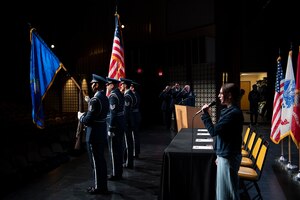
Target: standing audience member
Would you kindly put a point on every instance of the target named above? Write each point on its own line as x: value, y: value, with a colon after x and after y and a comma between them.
x: 254, y: 99
x: 175, y: 100
x: 116, y: 124
x: 228, y: 132
x: 96, y: 135
x: 242, y: 92
x: 137, y: 120
x: 129, y: 122
x: 187, y: 96
x: 166, y: 97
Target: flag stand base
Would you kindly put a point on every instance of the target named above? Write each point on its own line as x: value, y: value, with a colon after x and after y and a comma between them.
x: 282, y: 159
x: 298, y: 176
x: 291, y: 167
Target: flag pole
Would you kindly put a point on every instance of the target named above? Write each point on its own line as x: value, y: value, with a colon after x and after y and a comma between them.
x: 80, y: 127
x: 298, y: 175
x: 295, y: 128
x: 289, y: 165
x: 290, y: 159
x: 287, y: 110
x: 282, y: 158
x: 77, y: 85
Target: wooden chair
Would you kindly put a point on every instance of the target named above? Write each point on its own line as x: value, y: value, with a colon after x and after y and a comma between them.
x: 253, y: 174
x: 250, y: 161
x: 247, y: 151
x: 246, y: 137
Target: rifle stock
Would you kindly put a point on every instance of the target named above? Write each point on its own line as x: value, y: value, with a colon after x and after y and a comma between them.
x: 79, y: 133
x: 80, y: 127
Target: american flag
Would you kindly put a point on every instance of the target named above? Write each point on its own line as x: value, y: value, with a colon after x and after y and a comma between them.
x: 276, y: 117
x: 296, y: 109
x: 117, y: 64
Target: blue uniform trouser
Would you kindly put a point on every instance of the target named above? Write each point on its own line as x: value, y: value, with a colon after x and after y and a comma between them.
x: 227, y: 178
x: 136, y: 134
x: 129, y: 148
x: 116, y: 152
x: 98, y: 162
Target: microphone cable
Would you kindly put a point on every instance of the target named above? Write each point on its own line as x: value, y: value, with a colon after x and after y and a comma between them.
x: 192, y: 149
x: 192, y: 155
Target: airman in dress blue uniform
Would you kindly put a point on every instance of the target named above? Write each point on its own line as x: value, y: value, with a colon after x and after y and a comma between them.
x: 129, y: 121
x: 96, y: 135
x: 116, y: 123
x: 137, y: 121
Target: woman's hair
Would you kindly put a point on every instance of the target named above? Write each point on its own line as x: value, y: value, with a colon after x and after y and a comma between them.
x: 234, y: 90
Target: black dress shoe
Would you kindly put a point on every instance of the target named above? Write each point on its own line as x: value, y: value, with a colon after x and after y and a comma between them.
x: 92, y: 190
x: 129, y: 166
x: 89, y: 189
x: 115, y: 178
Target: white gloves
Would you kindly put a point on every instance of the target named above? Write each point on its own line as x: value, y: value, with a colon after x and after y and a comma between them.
x: 110, y: 134
x: 79, y: 114
x: 87, y: 98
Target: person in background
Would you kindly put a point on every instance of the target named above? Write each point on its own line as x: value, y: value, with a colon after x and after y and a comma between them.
x: 116, y: 125
x: 228, y: 132
x: 129, y: 122
x: 187, y: 96
x: 137, y: 121
x: 242, y: 92
x: 96, y: 135
x: 175, y: 90
x: 254, y: 98
x: 166, y: 97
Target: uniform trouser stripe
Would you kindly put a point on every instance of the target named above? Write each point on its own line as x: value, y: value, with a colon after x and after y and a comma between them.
x: 126, y: 149
x: 112, y: 156
x: 133, y: 143
x: 94, y: 167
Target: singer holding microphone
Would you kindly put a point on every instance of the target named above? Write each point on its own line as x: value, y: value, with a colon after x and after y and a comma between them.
x: 228, y: 139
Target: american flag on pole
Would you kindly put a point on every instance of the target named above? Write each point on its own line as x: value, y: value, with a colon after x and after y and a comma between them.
x: 287, y: 99
x: 117, y: 64
x: 276, y: 117
x: 295, y: 130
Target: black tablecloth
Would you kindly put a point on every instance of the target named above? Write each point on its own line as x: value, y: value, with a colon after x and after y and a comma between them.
x: 188, y: 173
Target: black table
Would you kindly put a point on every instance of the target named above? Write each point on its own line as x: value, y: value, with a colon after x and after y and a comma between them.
x: 188, y: 173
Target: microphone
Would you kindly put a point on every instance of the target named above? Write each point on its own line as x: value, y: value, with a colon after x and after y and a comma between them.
x: 209, y: 105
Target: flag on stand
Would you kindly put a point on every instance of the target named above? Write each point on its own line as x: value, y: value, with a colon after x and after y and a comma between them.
x: 276, y: 117
x: 44, y: 66
x: 117, y: 63
x: 295, y: 130
x: 287, y: 98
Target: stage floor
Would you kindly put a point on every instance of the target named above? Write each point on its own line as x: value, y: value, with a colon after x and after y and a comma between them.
x: 70, y: 180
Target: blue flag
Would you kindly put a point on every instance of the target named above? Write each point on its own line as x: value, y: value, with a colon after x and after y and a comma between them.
x: 44, y: 66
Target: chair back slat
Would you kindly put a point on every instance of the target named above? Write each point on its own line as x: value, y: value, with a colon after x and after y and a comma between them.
x: 261, y: 157
x: 246, y: 136
x: 251, y: 141
x: 256, y: 148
